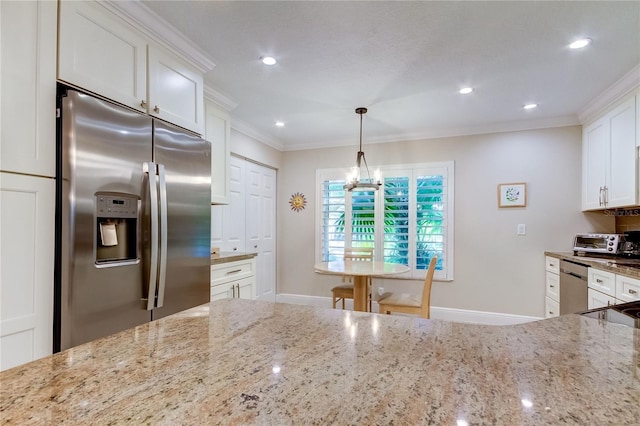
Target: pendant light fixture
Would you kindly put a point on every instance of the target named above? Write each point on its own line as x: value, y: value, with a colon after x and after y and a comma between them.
x: 353, y: 178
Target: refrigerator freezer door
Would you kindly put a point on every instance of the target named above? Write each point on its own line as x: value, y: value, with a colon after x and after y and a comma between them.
x: 103, y: 147
x: 187, y: 168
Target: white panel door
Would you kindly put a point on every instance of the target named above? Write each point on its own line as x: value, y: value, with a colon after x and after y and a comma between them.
x: 27, y: 87
x: 176, y: 91
x: 100, y: 53
x: 260, y: 219
x: 27, y: 207
x: 234, y: 213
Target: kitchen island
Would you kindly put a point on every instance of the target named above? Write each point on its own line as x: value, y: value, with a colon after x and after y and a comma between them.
x: 247, y: 362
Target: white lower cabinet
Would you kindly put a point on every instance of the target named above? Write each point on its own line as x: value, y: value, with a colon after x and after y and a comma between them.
x: 598, y: 299
x: 552, y: 293
x: 552, y: 308
x: 27, y: 205
x: 627, y: 289
x: 234, y: 280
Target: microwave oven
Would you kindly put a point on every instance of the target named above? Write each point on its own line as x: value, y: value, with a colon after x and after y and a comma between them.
x: 599, y: 243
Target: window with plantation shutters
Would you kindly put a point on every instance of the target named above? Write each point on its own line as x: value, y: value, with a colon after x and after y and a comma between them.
x: 408, y: 221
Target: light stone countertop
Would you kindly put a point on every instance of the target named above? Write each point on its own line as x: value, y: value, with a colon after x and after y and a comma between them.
x: 622, y: 266
x: 231, y: 256
x: 247, y: 362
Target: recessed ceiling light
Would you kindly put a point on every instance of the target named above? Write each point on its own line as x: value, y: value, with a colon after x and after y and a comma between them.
x: 279, y: 123
x: 580, y: 43
x: 530, y: 106
x: 268, y: 60
x: 466, y: 90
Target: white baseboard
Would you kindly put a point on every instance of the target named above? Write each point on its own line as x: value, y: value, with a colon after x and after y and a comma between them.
x: 448, y: 314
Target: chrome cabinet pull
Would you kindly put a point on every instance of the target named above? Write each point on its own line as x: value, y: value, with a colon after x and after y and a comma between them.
x: 143, y: 104
x: 599, y: 281
x: 156, y: 109
x: 632, y: 291
x: 234, y: 271
x: 600, y: 197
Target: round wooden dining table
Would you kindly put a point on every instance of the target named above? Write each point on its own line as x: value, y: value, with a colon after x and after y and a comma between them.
x: 360, y: 270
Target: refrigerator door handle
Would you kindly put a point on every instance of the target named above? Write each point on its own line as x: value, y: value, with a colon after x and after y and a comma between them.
x: 150, y: 169
x: 163, y: 235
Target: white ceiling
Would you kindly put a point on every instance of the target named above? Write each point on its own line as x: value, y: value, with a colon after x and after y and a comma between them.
x: 406, y: 61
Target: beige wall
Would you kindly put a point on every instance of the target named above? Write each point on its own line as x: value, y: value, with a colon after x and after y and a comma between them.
x: 495, y: 270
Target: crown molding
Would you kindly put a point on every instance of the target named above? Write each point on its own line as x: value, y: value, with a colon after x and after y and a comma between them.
x: 246, y: 129
x: 546, y: 123
x: 628, y: 83
x: 219, y: 98
x: 160, y: 31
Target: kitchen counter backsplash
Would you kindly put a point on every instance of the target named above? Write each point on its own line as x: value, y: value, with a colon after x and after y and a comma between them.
x: 617, y: 265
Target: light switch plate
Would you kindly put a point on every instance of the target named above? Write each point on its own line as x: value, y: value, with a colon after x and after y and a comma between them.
x: 522, y: 229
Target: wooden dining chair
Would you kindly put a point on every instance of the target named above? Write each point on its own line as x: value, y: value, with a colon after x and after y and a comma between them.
x: 407, y: 304
x: 343, y: 292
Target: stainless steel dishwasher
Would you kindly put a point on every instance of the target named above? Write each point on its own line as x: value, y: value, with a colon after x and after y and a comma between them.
x: 573, y: 287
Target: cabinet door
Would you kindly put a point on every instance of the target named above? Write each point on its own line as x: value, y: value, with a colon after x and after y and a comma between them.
x: 552, y: 308
x: 28, y: 87
x: 553, y: 286
x: 602, y: 281
x: 246, y: 288
x: 623, y: 181
x: 175, y: 91
x: 627, y: 289
x: 222, y: 291
x: 599, y: 300
x: 27, y: 206
x: 100, y: 53
x: 217, y: 132
x: 595, y: 156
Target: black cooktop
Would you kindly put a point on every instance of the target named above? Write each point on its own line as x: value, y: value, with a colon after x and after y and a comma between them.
x: 623, y: 313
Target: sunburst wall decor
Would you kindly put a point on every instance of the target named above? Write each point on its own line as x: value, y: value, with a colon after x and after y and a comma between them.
x: 298, y: 202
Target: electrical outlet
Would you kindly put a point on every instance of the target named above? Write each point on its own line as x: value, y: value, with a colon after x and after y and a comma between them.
x: 380, y: 291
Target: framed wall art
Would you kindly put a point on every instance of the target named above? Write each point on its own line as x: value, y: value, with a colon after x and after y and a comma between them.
x: 512, y: 194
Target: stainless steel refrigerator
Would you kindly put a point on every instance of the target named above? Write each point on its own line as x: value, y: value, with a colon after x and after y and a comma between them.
x: 133, y: 219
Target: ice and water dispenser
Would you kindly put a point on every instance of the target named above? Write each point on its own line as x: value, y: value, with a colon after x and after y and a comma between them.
x: 117, y: 233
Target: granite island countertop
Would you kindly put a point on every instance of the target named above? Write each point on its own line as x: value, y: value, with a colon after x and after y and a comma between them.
x: 237, y: 361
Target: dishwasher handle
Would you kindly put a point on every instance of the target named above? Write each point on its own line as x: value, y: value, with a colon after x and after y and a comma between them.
x: 573, y: 274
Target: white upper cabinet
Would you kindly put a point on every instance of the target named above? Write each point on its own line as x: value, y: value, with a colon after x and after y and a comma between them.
x: 217, y: 132
x: 28, y: 87
x: 609, y: 159
x: 101, y: 53
x: 175, y: 91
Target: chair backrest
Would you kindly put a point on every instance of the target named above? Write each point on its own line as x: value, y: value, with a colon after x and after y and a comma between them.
x: 358, y: 253
x: 426, y: 290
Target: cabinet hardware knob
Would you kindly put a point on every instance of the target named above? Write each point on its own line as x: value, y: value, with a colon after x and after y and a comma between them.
x: 632, y: 291
x: 551, y: 286
x: 143, y: 104
x: 599, y: 281
x: 156, y: 109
